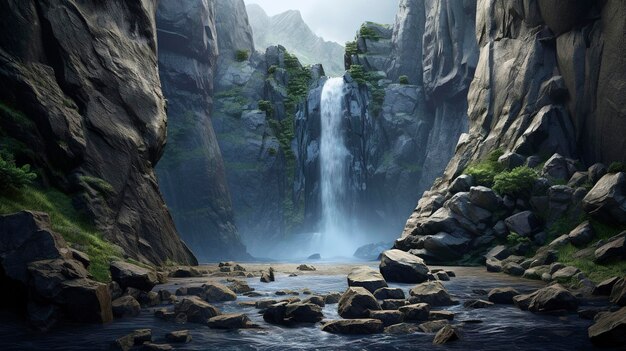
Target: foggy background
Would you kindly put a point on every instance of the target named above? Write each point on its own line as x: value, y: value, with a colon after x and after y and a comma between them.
x: 334, y: 20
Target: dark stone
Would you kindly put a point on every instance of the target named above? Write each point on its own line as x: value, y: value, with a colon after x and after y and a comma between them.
x: 353, y: 326
x: 607, y: 199
x: 432, y: 293
x: 614, y: 249
x: 130, y: 275
x: 388, y: 317
x: 609, y: 329
x: 356, y: 302
x: 229, y: 321
x: 477, y: 303
x: 548, y: 299
x: 445, y: 335
x: 416, y: 312
x: 389, y: 293
x: 196, y: 310
x: 502, y: 295
x: 125, y: 306
x: 604, y: 288
x: 180, y: 336
x: 367, y: 278
x: 618, y: 293
x: 402, y: 267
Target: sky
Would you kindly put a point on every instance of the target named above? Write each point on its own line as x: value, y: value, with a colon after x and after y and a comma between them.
x: 334, y: 20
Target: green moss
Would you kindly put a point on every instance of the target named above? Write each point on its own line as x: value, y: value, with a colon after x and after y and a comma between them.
x: 595, y: 272
x: 75, y: 228
x: 241, y: 55
x: 617, y: 167
x: 517, y: 182
x: 404, y: 80
x: 100, y: 185
x: 357, y: 72
x: 485, y: 171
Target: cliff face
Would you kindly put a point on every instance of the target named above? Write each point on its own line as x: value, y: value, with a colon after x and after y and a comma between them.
x: 85, y: 75
x: 289, y: 30
x: 192, y: 172
x: 556, y: 73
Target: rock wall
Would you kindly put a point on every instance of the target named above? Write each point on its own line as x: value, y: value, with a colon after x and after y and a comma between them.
x: 555, y: 72
x: 192, y: 173
x: 84, y: 75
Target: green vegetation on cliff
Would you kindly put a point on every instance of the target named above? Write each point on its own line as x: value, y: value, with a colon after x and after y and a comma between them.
x: 485, y: 171
x: 370, y: 79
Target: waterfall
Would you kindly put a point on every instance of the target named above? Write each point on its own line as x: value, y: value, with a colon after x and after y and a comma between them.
x: 335, y: 229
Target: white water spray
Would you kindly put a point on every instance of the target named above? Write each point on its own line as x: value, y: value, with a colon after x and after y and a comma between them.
x: 335, y: 231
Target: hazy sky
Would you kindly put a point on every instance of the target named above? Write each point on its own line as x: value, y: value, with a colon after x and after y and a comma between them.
x: 336, y: 20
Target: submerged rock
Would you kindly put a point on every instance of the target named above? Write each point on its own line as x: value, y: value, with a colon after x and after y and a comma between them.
x: 353, y: 326
x: 402, y: 267
x: 367, y: 278
x: 229, y: 321
x: 502, y: 295
x: 445, y: 335
x: 180, y: 336
x: 125, y: 306
x: 196, y: 309
x: 387, y: 317
x: 306, y: 267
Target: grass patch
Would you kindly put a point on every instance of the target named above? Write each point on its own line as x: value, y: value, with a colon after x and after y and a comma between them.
x: 617, y: 167
x: 75, y: 229
x: 595, y: 272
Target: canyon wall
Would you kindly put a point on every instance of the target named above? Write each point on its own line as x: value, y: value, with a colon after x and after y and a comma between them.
x: 84, y: 77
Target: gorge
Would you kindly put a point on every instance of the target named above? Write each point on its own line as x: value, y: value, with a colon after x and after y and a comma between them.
x: 463, y: 166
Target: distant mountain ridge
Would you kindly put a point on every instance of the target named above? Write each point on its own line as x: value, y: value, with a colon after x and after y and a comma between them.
x: 289, y: 30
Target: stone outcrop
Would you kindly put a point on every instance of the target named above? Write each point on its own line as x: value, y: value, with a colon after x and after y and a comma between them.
x: 40, y: 277
x: 94, y: 113
x: 188, y: 56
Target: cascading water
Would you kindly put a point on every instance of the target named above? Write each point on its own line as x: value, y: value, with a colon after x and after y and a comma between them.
x: 334, y: 238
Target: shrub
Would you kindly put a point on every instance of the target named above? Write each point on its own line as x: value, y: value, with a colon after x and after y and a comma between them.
x: 272, y: 152
x: 272, y: 69
x: 266, y: 106
x: 514, y: 239
x: 13, y: 177
x: 484, y: 172
x: 404, y: 80
x: 352, y: 48
x: 616, y: 167
x: 241, y: 55
x: 368, y: 33
x: 357, y: 73
x: 516, y: 182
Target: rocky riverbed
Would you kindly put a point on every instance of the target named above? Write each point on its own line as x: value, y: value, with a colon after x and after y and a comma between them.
x: 475, y: 321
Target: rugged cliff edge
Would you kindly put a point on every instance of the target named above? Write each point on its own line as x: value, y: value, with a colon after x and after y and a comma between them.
x: 83, y: 75
x: 192, y: 171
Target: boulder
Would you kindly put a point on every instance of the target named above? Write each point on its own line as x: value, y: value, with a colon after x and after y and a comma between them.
x: 578, y: 179
x: 185, y: 272
x: 356, y: 303
x: 550, y: 298
x: 149, y: 299
x: 81, y: 257
x: 605, y: 287
x: 142, y: 336
x: 477, y: 303
x: 332, y: 298
x: 443, y: 246
x: 129, y: 275
x: 367, y: 278
x: 371, y: 251
x: 314, y: 257
x: 402, y: 267
x: 432, y: 293
x: 462, y: 183
x: 499, y: 252
x: 388, y: 317
x: 565, y: 274
x: 607, y: 199
x: 415, y: 312
x: 316, y: 300
x: 445, y: 335
x: 124, y: 343
x: 179, y: 336
x: 353, y: 326
x: 511, y: 160
x: 614, y: 249
x: 304, y: 312
x: 485, y: 198
x: 494, y: 265
x: 402, y: 328
x: 240, y: 287
x: 437, y: 315
x: 125, y: 306
x: 215, y: 292
x: 596, y: 172
x: 513, y: 268
x: 229, y: 321
x: 84, y: 300
x: 582, y: 235
x: 306, y: 267
x: 524, y: 223
x: 393, y: 304
x: 609, y: 329
x: 618, y: 293
x: 196, y: 309
x: 556, y: 168
x: 389, y: 293
x: 432, y: 327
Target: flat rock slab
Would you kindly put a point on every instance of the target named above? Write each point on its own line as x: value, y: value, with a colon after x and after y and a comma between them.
x: 367, y: 278
x: 354, y: 326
